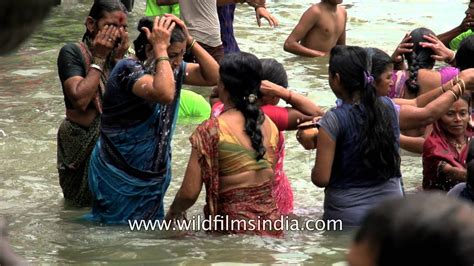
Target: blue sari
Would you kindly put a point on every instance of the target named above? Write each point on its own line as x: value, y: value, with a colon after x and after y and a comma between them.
x: 130, y: 166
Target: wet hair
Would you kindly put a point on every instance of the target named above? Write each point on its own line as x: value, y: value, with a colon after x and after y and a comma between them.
x: 241, y: 75
x: 380, y: 62
x: 420, y: 229
x: 100, y: 8
x: 419, y: 58
x: 377, y: 138
x: 177, y: 35
x: 274, y: 71
x: 465, y: 54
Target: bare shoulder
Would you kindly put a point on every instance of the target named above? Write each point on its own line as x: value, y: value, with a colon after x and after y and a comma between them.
x: 341, y: 10
x: 313, y: 10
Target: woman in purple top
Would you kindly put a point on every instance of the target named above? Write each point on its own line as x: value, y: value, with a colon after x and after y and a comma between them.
x: 420, y: 76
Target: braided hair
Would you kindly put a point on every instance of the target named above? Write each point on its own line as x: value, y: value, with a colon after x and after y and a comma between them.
x: 241, y: 75
x: 419, y: 58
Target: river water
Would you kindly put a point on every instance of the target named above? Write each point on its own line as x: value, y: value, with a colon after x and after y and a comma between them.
x: 43, y: 230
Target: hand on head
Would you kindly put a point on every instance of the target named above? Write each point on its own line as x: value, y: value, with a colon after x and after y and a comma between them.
x: 268, y: 88
x: 405, y: 46
x: 160, y: 35
x: 442, y: 53
x: 179, y: 22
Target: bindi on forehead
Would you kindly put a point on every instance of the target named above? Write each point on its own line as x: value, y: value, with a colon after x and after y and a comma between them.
x: 121, y: 18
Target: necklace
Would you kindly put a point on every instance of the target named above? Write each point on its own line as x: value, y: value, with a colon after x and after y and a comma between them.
x: 456, y: 145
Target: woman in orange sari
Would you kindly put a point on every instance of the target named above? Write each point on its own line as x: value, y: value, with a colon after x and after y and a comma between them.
x: 234, y: 156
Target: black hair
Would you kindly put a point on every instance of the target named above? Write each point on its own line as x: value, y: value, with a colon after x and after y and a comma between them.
x: 100, y: 7
x: 380, y: 62
x: 377, y: 143
x: 241, y: 75
x: 274, y: 71
x: 420, y: 229
x: 419, y: 58
x: 177, y: 35
x: 465, y: 54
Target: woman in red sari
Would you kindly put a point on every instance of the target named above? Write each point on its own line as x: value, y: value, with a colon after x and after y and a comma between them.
x: 234, y: 156
x: 445, y: 150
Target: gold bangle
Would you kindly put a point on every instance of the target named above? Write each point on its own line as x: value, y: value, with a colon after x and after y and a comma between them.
x: 454, y: 95
x: 463, y: 87
x: 456, y: 79
x: 161, y: 58
x: 192, y: 45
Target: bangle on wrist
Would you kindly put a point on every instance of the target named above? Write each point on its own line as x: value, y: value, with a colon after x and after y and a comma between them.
x: 454, y: 95
x: 95, y: 66
x: 191, y: 46
x: 450, y: 61
x: 462, y: 86
x: 161, y: 58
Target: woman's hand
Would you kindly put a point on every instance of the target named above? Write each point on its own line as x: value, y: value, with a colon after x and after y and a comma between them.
x: 160, y: 35
x: 307, y: 134
x: 179, y: 22
x: 104, y: 41
x: 262, y: 12
x: 442, y: 53
x: 268, y: 88
x: 171, y: 216
x: 122, y: 45
x: 404, y: 47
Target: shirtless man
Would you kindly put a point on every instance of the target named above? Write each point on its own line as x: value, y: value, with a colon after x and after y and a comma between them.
x: 321, y: 27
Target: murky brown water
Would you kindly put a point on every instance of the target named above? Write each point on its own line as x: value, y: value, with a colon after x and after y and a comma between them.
x: 31, y: 108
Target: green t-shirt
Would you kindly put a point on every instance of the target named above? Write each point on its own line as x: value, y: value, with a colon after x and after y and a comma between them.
x: 193, y: 106
x: 153, y: 10
x: 454, y: 44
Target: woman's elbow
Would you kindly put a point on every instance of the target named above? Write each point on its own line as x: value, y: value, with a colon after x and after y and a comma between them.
x: 287, y: 47
x: 427, y: 120
x: 80, y: 104
x: 317, y: 180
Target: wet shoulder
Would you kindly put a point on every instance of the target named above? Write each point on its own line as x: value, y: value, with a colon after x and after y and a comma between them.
x: 314, y: 10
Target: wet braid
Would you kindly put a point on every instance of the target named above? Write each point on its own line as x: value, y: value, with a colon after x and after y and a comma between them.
x: 412, y: 81
x: 420, y: 58
x: 241, y: 75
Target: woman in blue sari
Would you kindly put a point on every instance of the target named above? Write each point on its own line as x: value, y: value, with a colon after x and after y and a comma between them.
x: 130, y: 167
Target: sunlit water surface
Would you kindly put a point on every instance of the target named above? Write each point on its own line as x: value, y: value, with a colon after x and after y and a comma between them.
x: 42, y: 230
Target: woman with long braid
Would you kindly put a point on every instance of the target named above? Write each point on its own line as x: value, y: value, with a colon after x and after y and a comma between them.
x: 234, y: 154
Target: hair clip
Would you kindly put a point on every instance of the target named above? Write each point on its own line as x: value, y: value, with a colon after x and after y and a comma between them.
x: 252, y: 98
x: 369, y: 79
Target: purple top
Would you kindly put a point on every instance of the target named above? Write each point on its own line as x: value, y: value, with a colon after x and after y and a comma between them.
x: 399, y: 77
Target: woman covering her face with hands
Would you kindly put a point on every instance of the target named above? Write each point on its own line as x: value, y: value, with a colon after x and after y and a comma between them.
x: 83, y: 70
x: 130, y: 167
